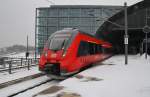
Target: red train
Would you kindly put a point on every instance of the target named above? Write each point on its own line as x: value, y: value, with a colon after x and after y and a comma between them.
x: 68, y: 51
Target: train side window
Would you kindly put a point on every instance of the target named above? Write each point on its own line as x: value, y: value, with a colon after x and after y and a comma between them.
x: 88, y: 48
x: 83, y: 49
x: 91, y: 48
x: 96, y: 49
x: 99, y: 49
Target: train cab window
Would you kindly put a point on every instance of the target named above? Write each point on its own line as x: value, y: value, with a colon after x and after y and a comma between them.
x: 83, y: 49
x: 58, y: 41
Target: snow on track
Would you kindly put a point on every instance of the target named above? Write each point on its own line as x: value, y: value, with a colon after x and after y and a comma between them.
x: 5, y: 92
x: 36, y: 90
x: 20, y: 74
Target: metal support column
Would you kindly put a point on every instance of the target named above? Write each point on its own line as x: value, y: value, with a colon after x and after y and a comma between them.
x: 126, y: 34
x: 35, y: 35
x: 146, y: 30
x: 146, y: 46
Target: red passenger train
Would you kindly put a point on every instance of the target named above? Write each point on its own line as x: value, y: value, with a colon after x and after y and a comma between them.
x: 69, y: 50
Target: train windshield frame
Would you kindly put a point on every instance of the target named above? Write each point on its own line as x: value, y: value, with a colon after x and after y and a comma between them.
x: 60, y: 41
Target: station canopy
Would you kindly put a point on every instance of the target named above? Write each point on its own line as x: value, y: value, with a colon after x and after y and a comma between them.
x: 112, y: 29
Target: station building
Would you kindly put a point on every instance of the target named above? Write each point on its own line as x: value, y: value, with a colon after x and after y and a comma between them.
x: 56, y: 17
x: 113, y: 30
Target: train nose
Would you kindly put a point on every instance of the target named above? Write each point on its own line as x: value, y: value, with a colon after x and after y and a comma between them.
x: 54, y: 55
x: 57, y: 55
x: 52, y: 69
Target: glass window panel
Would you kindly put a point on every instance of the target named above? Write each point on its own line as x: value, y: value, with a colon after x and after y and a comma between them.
x: 85, y: 12
x: 53, y: 12
x: 106, y: 13
x: 52, y: 21
x: 42, y: 30
x: 98, y: 12
x: 63, y: 21
x: 74, y: 21
x: 43, y: 12
x: 74, y: 13
x: 86, y: 21
x: 63, y: 12
x: 42, y: 21
x: 51, y: 30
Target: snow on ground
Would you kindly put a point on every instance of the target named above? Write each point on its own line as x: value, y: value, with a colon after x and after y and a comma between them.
x: 20, y: 55
x: 32, y: 92
x: 112, y: 78
x: 5, y: 92
x: 4, y: 77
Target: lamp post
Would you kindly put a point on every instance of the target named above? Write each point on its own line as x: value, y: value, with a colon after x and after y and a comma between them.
x: 146, y: 30
x: 126, y: 33
x: 27, y: 49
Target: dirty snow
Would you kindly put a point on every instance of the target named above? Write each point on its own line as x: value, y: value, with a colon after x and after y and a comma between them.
x: 112, y: 78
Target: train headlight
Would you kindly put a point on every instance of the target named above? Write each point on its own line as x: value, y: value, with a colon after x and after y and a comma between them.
x: 64, y: 54
x: 45, y: 54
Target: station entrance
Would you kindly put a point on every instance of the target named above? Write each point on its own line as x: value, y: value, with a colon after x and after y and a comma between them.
x: 136, y: 41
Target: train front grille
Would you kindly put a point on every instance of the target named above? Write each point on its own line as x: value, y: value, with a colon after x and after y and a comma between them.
x: 52, y: 69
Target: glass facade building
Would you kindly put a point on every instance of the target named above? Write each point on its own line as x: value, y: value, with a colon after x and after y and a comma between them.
x: 87, y: 18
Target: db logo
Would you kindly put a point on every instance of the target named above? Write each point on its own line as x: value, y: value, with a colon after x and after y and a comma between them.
x: 53, y: 56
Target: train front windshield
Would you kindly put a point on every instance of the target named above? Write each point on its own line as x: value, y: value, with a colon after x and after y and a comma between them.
x: 58, y: 42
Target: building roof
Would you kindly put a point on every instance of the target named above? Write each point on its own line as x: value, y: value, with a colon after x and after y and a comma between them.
x: 136, y: 21
x: 82, y: 6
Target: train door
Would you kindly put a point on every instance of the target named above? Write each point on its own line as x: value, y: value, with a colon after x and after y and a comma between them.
x: 83, y: 53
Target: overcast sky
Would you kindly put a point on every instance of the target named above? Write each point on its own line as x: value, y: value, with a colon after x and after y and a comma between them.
x: 17, y: 17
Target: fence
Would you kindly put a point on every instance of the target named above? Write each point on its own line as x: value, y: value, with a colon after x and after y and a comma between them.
x: 9, y: 64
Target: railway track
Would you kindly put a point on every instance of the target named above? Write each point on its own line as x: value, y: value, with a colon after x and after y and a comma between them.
x: 18, y: 86
x: 15, y: 81
x: 29, y: 88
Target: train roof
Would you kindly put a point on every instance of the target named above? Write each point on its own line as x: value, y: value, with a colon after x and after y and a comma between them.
x: 74, y: 31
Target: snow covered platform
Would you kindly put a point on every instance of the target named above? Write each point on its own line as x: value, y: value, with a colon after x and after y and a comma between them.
x: 112, y: 78
x: 5, y: 77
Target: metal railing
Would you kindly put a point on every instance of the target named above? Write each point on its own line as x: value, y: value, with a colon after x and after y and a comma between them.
x: 9, y: 64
